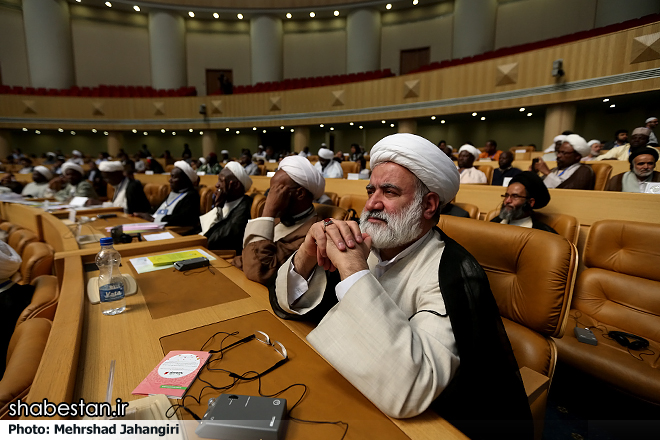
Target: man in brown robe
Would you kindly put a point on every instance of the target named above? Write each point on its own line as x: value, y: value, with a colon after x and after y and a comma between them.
x: 642, y: 164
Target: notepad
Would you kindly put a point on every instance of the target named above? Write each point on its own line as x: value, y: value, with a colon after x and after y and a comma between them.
x: 167, y: 259
x: 144, y: 264
x: 174, y: 374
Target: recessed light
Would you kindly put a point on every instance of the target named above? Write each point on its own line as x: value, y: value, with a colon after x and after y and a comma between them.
x: 37, y: 131
x: 201, y: 133
x: 612, y: 105
x: 384, y: 121
x: 60, y: 130
x: 93, y: 130
x: 350, y: 123
x: 105, y: 133
x: 240, y: 16
x: 433, y: 118
x: 227, y: 129
x: 282, y: 127
x: 264, y: 131
x: 474, y: 114
x: 134, y: 131
x: 522, y: 109
x: 292, y: 130
x: 108, y: 4
x: 216, y: 15
x: 191, y: 14
x: 442, y: 122
x: 415, y: 2
x: 288, y: 15
x: 311, y: 14
x: 78, y: 1
x: 606, y: 100
x: 238, y: 131
x: 190, y: 130
x: 529, y: 114
x: 332, y: 128
x: 321, y: 125
x: 25, y: 129
x: 137, y: 8
x: 254, y: 128
x: 360, y: 127
x: 336, y: 13
x: 174, y: 133
x: 73, y: 132
x: 145, y: 133
x: 162, y: 130
x: 388, y: 6
x: 483, y: 118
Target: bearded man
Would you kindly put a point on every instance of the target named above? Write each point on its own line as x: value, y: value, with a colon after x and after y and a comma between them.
x: 412, y: 317
x: 642, y: 171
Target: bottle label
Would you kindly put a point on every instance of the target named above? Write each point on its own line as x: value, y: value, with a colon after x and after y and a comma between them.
x: 111, y: 294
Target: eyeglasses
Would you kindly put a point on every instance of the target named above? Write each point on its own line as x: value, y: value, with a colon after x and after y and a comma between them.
x: 277, y: 345
x: 514, y: 197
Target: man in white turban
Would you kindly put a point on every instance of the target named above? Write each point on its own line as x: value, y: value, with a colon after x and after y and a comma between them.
x: 39, y: 186
x: 224, y: 224
x: 569, y: 173
x: 75, y: 184
x: 129, y: 193
x: 330, y: 169
x: 639, y: 139
x: 14, y: 298
x: 287, y: 216
x: 399, y: 325
x: 550, y: 154
x: 467, y: 154
x: 651, y: 123
x: 76, y: 158
x: 594, y: 150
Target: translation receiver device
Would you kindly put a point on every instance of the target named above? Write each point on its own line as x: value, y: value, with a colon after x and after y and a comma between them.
x: 192, y: 263
x: 236, y: 417
x: 585, y: 335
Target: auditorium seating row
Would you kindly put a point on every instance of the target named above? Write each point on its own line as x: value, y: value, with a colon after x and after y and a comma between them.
x: 37, y: 256
x: 513, y: 50
x: 103, y: 91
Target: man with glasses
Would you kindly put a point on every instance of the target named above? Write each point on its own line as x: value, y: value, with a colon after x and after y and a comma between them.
x: 408, y: 315
x: 569, y: 172
x: 525, y: 193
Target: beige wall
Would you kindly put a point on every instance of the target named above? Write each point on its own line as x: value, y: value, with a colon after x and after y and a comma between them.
x: 308, y: 54
x: 13, y: 55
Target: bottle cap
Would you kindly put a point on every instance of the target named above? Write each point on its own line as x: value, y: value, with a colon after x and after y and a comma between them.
x: 106, y: 241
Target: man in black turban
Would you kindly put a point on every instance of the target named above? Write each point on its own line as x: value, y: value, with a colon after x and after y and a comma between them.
x: 525, y: 192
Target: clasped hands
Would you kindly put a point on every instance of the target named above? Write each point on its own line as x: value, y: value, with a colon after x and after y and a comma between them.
x: 338, y: 245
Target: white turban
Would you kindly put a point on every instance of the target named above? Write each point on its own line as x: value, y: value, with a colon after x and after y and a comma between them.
x: 450, y: 148
x: 43, y: 171
x: 652, y: 118
x: 579, y: 144
x: 238, y: 171
x: 324, y: 153
x: 422, y: 158
x: 202, y: 160
x: 304, y: 174
x: 76, y: 153
x: 73, y: 166
x: 111, y: 166
x: 224, y: 152
x: 470, y: 149
x: 593, y: 142
x: 187, y: 169
x: 10, y: 261
x: 559, y: 138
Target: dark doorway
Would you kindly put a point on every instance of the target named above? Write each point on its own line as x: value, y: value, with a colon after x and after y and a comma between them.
x: 213, y: 79
x: 413, y: 59
x: 280, y: 140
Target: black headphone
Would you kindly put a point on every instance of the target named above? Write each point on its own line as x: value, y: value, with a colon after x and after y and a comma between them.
x: 630, y: 341
x: 118, y: 235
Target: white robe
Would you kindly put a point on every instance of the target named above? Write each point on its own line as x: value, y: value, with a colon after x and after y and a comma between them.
x: 332, y: 171
x: 473, y: 175
x: 382, y: 336
x: 34, y: 189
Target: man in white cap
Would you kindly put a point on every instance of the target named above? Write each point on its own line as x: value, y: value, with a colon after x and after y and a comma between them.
x: 224, y: 156
x: 224, y: 224
x: 467, y: 154
x: 129, y: 193
x: 287, y: 216
x: 14, y: 298
x: 181, y: 207
x: 401, y: 327
x: 76, y: 158
x: 651, y: 123
x: 569, y: 173
x: 638, y: 139
x: 330, y: 169
x: 73, y: 176
x: 550, y: 154
x: 39, y: 185
x: 595, y: 147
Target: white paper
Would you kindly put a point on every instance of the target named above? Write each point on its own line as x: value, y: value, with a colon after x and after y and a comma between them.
x: 270, y: 173
x: 272, y: 161
x: 521, y: 151
x: 353, y: 176
x: 201, y: 173
x: 652, y: 188
x: 156, y: 237
x: 143, y: 264
x: 149, y: 172
x: 78, y: 201
x: 506, y: 181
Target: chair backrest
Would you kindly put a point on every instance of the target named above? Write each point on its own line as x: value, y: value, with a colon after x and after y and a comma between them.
x: 353, y: 201
x: 26, y: 348
x: 262, y: 170
x: 258, y: 203
x: 169, y: 168
x: 329, y: 211
x: 44, y: 299
x: 528, y: 149
x: 488, y: 171
x: 313, y: 159
x: 37, y: 261
x: 21, y: 238
x: 471, y: 209
x: 9, y: 227
x: 350, y: 167
x: 566, y: 225
x: 621, y: 285
x: 156, y: 193
x: 602, y: 173
x: 205, y: 199
x: 334, y: 197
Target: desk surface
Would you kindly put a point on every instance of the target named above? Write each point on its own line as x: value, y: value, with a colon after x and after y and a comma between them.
x: 132, y: 339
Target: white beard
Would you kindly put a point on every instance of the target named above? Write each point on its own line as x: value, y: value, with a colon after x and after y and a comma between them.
x: 401, y: 228
x: 642, y: 175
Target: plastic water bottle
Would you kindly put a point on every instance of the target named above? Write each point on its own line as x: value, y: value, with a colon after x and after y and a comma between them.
x: 111, y: 283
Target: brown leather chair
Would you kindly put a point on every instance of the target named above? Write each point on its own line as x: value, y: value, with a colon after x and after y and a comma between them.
x: 26, y: 348
x: 258, y: 203
x: 334, y: 197
x: 471, y: 209
x: 329, y: 211
x: 44, y: 300
x: 353, y: 201
x: 618, y: 291
x: 169, y: 168
x: 262, y: 170
x: 37, y: 261
x: 205, y: 199
x: 350, y: 167
x: 566, y: 225
x: 602, y: 172
x: 156, y: 193
x: 9, y: 227
x: 488, y: 171
x: 532, y: 293
x: 313, y: 159
x: 21, y: 238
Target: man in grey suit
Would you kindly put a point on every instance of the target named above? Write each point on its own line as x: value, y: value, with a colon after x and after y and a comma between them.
x: 407, y: 314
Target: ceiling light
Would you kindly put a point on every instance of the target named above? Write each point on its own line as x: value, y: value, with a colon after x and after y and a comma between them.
x: 336, y: 13
x: 254, y: 128
x: 134, y: 131
x: 282, y: 127
x: 201, y: 133
x: 37, y: 131
x: 360, y: 127
x: 474, y: 114
x: 321, y: 125
x: 288, y: 15
x: 483, y: 118
x: 191, y: 14
x: 433, y: 118
x: 612, y: 105
x: 227, y: 129
x: 190, y: 130
x: 78, y: 1
x: 311, y: 14
x: 522, y: 109
x: 388, y: 6
x: 383, y: 121
x: 350, y: 123
x: 93, y: 130
x: 292, y: 130
x: 332, y: 128
x: 606, y: 100
x: 264, y: 131
x: 442, y: 122
x: 415, y: 2
x: 137, y: 8
x: 108, y: 4
x: 145, y: 133
x: 73, y: 132
x: 25, y: 129
x: 105, y: 133
x: 216, y: 15
x: 240, y: 16
x: 162, y: 130
x: 60, y: 130
x: 238, y: 132
x: 529, y: 114
x: 174, y: 133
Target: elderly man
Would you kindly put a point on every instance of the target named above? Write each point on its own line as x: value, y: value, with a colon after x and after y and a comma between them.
x: 129, y: 193
x: 401, y: 328
x: 76, y: 184
x: 491, y: 152
x: 639, y: 138
x: 525, y: 193
x: 76, y: 158
x: 642, y: 165
x: 269, y: 242
x: 224, y: 225
x: 506, y: 170
x: 329, y: 168
x: 569, y: 172
x: 595, y: 146
x: 651, y: 123
x: 467, y: 154
x: 38, y: 188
